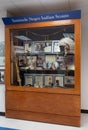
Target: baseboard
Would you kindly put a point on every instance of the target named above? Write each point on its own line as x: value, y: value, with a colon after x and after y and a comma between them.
x: 2, y: 113
x: 82, y: 111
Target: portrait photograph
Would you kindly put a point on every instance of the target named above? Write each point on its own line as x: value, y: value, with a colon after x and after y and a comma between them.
x: 58, y: 81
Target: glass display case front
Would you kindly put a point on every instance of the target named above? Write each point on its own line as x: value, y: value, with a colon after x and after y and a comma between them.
x: 43, y: 57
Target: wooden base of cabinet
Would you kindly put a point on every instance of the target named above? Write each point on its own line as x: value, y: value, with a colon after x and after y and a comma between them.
x: 44, y: 117
x: 45, y: 107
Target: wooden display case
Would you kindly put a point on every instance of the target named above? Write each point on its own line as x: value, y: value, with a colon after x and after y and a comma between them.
x: 43, y: 71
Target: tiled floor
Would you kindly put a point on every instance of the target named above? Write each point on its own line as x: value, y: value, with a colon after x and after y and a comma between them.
x: 30, y: 125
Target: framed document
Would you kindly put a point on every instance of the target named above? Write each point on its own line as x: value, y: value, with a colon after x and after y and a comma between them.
x: 28, y: 79
x: 50, y: 58
x: 38, y: 81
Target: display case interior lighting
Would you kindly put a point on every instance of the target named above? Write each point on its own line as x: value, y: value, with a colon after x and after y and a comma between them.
x: 23, y: 38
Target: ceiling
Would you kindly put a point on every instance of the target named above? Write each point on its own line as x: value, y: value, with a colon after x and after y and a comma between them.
x: 29, y: 7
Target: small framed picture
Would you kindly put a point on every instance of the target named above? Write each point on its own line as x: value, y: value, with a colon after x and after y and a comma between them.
x: 56, y: 47
x: 21, y: 60
x: 40, y: 60
x: 38, y: 47
x: 48, y: 47
x: 28, y: 80
x: 69, y: 80
x: 69, y: 61
x: 59, y: 81
x: 31, y: 62
x: 62, y: 66
x: 38, y: 81
x: 27, y: 48
x: 2, y: 76
x: 50, y: 58
x: 48, y: 81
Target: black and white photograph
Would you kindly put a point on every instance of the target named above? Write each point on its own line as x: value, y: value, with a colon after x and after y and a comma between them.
x: 63, y: 66
x: 59, y: 81
x: 69, y: 61
x: 38, y: 81
x: 48, y: 80
x: 31, y: 62
x: 38, y: 47
x: 27, y: 48
x: 56, y: 47
x: 39, y: 62
x: 48, y: 47
x: 69, y: 80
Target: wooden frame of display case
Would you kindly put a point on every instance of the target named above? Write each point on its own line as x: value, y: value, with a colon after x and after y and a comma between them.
x: 61, y: 106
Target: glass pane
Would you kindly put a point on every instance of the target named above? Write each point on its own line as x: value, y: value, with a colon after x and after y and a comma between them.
x: 43, y: 57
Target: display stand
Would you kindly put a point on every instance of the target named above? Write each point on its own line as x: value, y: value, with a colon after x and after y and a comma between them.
x: 43, y: 68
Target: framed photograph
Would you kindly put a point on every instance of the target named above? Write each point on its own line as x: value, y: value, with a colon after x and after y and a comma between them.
x: 18, y: 49
x: 21, y: 60
x: 50, y: 62
x: 69, y: 61
x: 59, y: 80
x: 59, y: 58
x: 48, y: 81
x: 40, y: 60
x: 27, y: 48
x: 38, y: 81
x: 48, y: 47
x: 28, y: 80
x: 50, y: 58
x: 2, y: 54
x: 56, y: 47
x: 62, y: 66
x: 38, y: 47
x: 2, y: 76
x: 31, y: 62
x: 69, y: 80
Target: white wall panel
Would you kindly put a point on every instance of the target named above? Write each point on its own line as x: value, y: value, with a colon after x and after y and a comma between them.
x: 2, y: 86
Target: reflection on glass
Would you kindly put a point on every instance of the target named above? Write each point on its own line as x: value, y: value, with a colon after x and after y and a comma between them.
x: 43, y: 57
